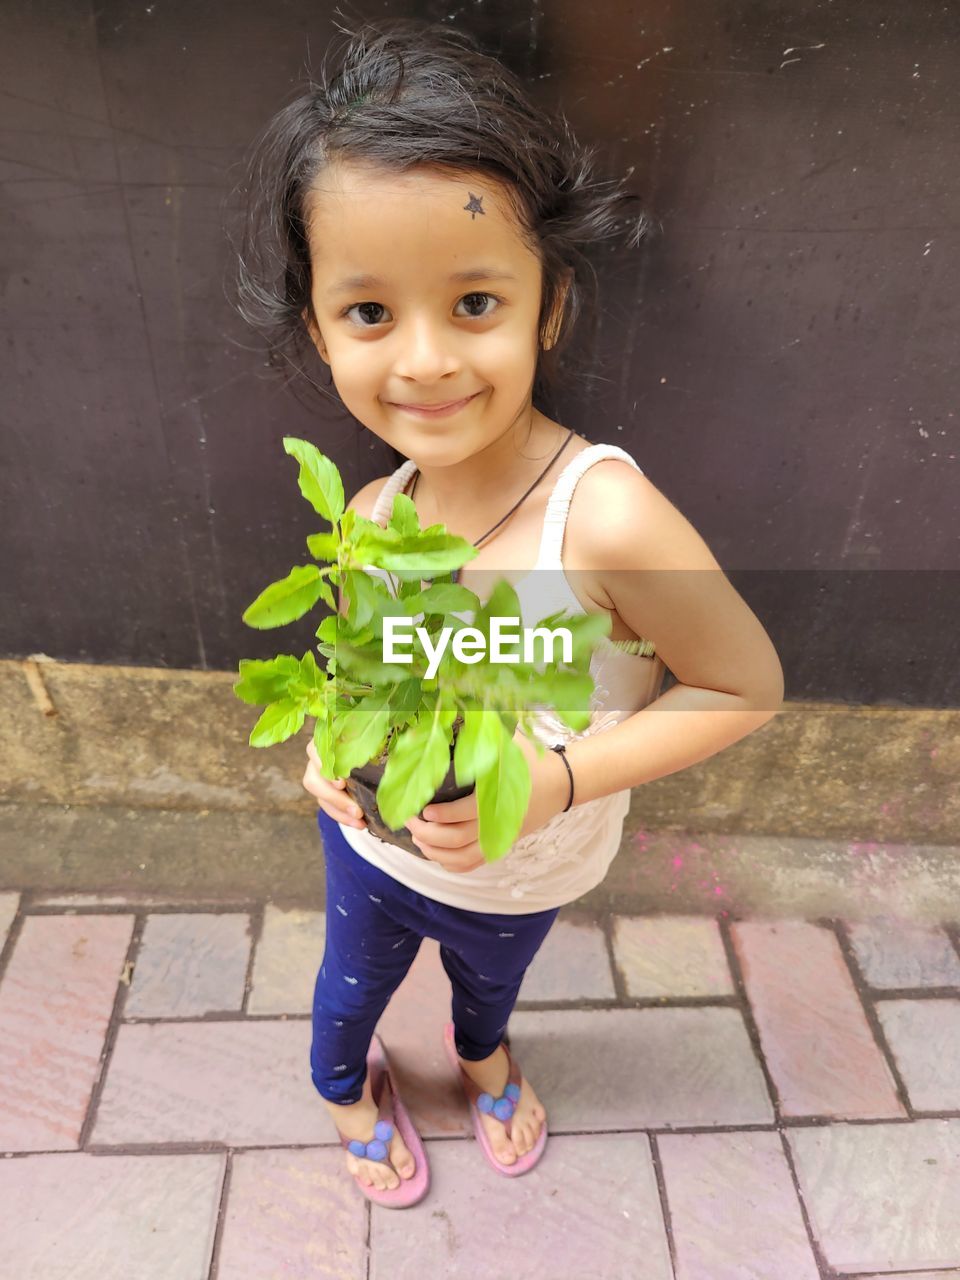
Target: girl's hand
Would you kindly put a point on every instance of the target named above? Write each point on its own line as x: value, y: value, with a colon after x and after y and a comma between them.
x: 447, y: 833
x: 331, y: 795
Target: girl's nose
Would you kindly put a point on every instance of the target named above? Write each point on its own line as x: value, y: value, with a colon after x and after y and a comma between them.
x: 426, y: 352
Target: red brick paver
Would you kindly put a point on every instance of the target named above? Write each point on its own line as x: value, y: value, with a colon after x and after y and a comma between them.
x: 733, y: 1207
x: 293, y: 1214
x: 815, y: 1036
x: 56, y: 999
x: 208, y: 1155
x: 78, y: 1217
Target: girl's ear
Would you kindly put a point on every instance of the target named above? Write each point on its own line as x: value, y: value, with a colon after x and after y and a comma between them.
x: 315, y: 335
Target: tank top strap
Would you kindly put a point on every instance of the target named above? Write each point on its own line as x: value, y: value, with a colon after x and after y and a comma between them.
x: 383, y: 507
x: 558, y: 506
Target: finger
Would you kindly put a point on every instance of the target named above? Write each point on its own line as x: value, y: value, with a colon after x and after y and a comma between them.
x: 452, y: 852
x: 314, y: 771
x: 314, y: 755
x: 349, y: 817
x: 467, y: 860
x: 331, y: 800
x: 443, y: 837
x: 452, y: 810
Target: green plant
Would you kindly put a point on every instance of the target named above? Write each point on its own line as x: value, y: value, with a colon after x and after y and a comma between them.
x: 367, y: 709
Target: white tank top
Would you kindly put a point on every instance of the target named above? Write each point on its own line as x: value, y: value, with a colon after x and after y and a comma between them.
x: 569, y: 855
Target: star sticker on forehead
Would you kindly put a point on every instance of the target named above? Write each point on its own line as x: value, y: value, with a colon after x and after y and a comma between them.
x: 474, y: 205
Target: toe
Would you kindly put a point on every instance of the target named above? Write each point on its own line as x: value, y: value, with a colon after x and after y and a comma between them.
x: 403, y: 1161
x: 505, y: 1151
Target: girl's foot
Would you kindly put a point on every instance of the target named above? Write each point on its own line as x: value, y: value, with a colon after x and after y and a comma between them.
x: 357, y: 1121
x: 491, y: 1075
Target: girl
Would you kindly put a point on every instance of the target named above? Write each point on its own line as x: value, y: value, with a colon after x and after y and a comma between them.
x: 431, y: 225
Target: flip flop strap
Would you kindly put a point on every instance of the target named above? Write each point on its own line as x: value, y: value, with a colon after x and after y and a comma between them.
x: 514, y: 1077
x: 384, y: 1084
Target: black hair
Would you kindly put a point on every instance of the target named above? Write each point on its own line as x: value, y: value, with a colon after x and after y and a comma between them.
x: 407, y: 93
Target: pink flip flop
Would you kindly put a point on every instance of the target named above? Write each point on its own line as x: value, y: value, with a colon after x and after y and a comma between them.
x: 502, y: 1108
x: 390, y: 1111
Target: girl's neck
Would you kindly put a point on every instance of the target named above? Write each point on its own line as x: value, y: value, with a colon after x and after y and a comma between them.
x: 472, y: 494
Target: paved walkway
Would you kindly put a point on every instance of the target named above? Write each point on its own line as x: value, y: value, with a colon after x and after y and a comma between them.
x: 750, y: 1100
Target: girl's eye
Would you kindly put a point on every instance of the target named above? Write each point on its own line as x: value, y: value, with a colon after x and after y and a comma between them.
x: 477, y: 315
x: 370, y: 317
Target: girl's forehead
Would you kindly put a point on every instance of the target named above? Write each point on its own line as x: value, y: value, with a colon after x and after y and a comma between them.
x: 358, y: 214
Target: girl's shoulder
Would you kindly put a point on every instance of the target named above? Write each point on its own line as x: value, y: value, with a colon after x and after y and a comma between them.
x: 365, y: 499
x: 618, y: 518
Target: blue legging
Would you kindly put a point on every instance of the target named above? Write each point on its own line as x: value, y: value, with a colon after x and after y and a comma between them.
x: 375, y: 926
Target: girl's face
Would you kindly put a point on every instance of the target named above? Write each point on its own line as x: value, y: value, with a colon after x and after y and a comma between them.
x: 424, y: 294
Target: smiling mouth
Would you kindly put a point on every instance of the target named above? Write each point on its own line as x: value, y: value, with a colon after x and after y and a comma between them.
x: 435, y: 410
x: 445, y: 404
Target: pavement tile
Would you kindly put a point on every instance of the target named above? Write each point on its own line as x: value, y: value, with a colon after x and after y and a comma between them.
x: 733, y: 1207
x: 641, y: 1068
x: 136, y: 900
x: 882, y: 1197
x: 924, y: 1036
x: 412, y: 1031
x: 288, y: 956
x: 896, y: 953
x: 79, y: 1217
x: 240, y: 1083
x: 572, y: 964
x: 671, y: 956
x: 589, y: 1209
x: 818, y: 1045
x: 190, y: 964
x: 295, y: 1214
x: 56, y: 998
x: 8, y: 909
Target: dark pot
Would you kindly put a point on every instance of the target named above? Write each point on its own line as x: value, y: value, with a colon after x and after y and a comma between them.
x: 362, y: 786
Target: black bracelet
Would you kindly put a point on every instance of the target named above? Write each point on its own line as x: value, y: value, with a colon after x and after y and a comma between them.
x: 561, y: 751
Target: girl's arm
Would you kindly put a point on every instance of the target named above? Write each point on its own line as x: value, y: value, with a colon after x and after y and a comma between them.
x: 663, y: 581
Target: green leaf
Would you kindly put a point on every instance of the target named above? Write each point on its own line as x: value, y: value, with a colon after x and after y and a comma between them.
x: 311, y: 677
x: 281, y: 720
x: 503, y: 794
x: 566, y: 692
x: 477, y: 747
x: 417, y: 764
x: 404, y: 517
x: 286, y: 600
x: 442, y: 597
x: 363, y: 732
x: 367, y: 595
x: 319, y: 478
x: 265, y: 681
x: 323, y: 546
x: 406, y: 701
x: 585, y: 630
x: 327, y: 630
x: 421, y: 555
x: 324, y: 732
x: 369, y: 666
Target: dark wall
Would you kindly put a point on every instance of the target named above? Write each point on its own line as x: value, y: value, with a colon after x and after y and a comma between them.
x: 778, y: 358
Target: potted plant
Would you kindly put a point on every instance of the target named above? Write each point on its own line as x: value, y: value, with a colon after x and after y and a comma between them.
x: 432, y: 727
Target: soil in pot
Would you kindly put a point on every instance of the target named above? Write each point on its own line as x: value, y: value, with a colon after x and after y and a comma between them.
x: 362, y: 786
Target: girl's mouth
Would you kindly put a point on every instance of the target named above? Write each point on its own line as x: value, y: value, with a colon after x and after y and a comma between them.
x: 436, y: 411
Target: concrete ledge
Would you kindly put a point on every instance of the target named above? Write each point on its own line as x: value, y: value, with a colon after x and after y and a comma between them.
x: 218, y: 855
x: 177, y: 740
